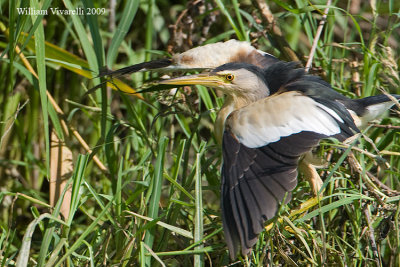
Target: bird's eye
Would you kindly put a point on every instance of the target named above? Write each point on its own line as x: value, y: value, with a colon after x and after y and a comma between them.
x: 229, y: 77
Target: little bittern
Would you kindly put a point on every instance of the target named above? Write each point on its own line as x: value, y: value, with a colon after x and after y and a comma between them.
x: 274, y: 113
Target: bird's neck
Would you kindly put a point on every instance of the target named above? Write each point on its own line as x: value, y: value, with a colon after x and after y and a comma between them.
x: 231, y: 104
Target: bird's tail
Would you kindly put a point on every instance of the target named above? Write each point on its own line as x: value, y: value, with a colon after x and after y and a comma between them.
x: 378, y: 99
x: 373, y: 107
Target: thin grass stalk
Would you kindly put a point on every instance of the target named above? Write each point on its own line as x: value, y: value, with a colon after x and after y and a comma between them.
x: 119, y: 237
x: 198, y: 224
x: 317, y: 36
x: 149, y: 28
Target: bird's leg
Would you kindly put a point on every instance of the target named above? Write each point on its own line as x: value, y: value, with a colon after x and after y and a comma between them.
x: 307, y: 167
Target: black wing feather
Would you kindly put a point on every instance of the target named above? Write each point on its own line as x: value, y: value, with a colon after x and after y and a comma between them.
x: 256, y: 180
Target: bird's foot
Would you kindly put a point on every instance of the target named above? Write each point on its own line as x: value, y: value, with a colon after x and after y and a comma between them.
x: 311, y: 174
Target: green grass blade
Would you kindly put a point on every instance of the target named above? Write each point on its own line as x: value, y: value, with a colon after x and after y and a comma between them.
x: 84, y: 234
x: 11, y: 44
x: 172, y: 228
x: 187, y: 252
x: 149, y: 28
x: 38, y: 19
x: 240, y: 21
x: 370, y: 83
x: 99, y: 51
x: 198, y: 221
x: 224, y: 11
x: 57, y: 250
x: 205, y: 96
x: 119, y: 243
x: 41, y: 71
x: 23, y: 255
x: 84, y: 40
x: 49, y: 234
x: 334, y: 205
x: 77, y: 179
x: 179, y: 187
x: 99, y: 202
x: 128, y: 15
x: 95, y: 33
x: 155, y: 188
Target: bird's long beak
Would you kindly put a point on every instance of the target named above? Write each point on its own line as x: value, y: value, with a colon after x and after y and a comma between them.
x: 197, y: 79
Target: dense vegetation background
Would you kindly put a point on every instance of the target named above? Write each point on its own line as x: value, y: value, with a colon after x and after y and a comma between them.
x: 143, y: 169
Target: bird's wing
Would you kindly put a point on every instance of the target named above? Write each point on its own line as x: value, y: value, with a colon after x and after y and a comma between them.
x: 254, y: 182
x: 262, y: 145
x: 279, y: 115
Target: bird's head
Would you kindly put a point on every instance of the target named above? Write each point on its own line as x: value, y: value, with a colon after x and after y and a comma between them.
x: 239, y: 80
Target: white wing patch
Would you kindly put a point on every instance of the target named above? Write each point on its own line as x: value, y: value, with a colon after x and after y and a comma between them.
x: 271, y: 118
